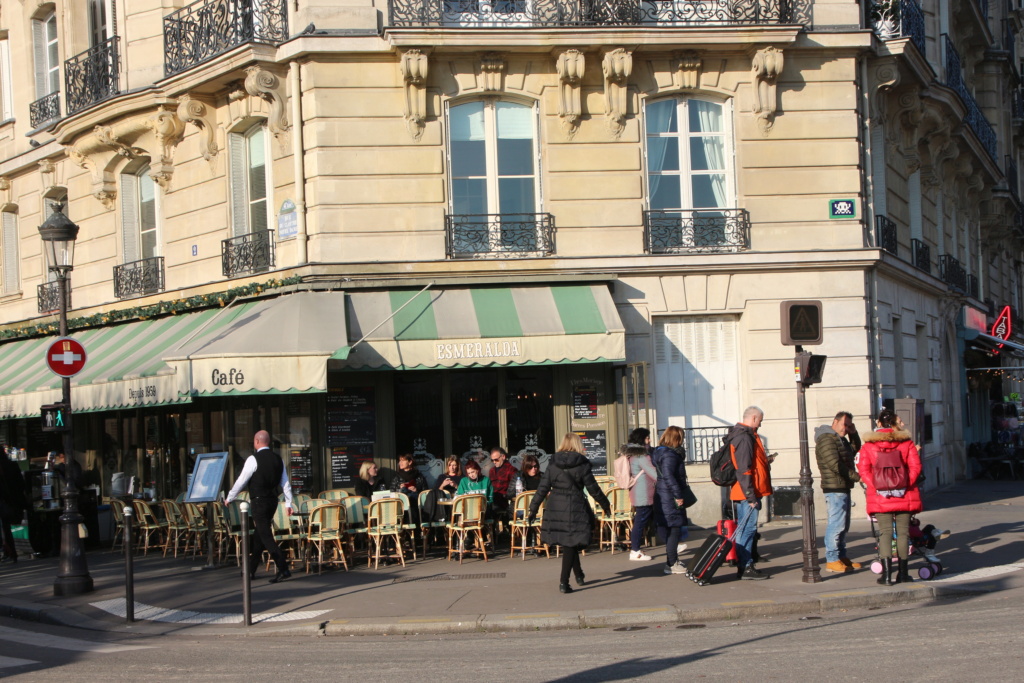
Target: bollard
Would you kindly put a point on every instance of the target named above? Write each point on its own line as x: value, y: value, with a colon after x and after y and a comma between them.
x: 246, y: 576
x: 129, y: 572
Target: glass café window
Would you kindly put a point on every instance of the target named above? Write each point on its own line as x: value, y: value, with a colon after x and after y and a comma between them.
x: 689, y: 160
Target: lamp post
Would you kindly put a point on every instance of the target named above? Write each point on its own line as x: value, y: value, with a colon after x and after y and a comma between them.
x: 58, y: 234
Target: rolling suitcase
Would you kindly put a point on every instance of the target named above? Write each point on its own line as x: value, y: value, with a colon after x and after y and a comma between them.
x: 727, y: 527
x: 710, y: 556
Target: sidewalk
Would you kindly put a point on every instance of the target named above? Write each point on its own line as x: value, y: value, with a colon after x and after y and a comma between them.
x: 984, y: 553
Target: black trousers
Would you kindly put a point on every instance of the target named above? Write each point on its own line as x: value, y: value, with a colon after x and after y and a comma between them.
x: 263, y: 510
x: 570, y: 562
x: 10, y: 549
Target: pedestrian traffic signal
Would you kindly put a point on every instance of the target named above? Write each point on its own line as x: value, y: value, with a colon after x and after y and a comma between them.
x: 801, y: 323
x: 55, y: 417
x: 809, y: 367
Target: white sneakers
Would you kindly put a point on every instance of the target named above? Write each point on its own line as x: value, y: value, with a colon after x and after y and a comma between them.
x: 639, y: 556
x: 677, y: 568
x: 680, y: 549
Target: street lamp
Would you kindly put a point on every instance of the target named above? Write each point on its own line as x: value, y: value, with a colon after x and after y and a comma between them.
x: 58, y: 234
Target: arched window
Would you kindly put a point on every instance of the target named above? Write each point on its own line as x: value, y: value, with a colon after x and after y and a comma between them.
x: 690, y: 178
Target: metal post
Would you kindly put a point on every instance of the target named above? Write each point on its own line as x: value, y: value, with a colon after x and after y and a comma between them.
x: 73, y: 572
x: 246, y: 560
x: 129, y: 571
x: 811, y: 573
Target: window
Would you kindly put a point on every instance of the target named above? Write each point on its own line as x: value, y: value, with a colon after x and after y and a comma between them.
x: 493, y: 161
x: 6, y: 95
x: 139, y: 216
x: 11, y: 281
x: 250, y: 181
x: 101, y: 21
x: 47, y: 55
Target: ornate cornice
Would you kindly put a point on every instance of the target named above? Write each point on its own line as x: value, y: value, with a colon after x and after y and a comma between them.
x: 766, y: 66
x: 259, y: 82
x: 204, y: 117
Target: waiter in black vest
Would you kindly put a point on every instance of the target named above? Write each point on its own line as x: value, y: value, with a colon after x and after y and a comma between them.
x: 264, y: 473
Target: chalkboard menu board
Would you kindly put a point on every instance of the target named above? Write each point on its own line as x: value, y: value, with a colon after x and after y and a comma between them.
x: 584, y: 403
x: 351, y: 416
x: 345, y: 463
x: 595, y: 443
x: 300, y: 469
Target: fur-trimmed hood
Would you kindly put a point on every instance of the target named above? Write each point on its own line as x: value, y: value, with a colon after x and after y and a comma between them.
x: 888, y: 435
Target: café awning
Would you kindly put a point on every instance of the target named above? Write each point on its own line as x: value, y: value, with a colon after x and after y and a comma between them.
x: 482, y: 327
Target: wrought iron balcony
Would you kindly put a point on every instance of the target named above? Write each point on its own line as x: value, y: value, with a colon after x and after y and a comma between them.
x: 976, y: 121
x: 922, y: 254
x: 490, y: 235
x: 48, y: 296
x: 251, y: 253
x: 952, y: 273
x: 1012, y: 178
x: 92, y: 76
x: 139, y: 278
x: 207, y: 28
x: 892, y: 19
x: 702, y: 442
x: 593, y: 13
x: 1017, y: 105
x: 44, y: 110
x: 696, y: 230
x: 973, y: 290
x: 886, y: 236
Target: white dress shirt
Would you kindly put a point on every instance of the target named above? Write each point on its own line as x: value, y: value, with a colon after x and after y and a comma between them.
x: 246, y: 474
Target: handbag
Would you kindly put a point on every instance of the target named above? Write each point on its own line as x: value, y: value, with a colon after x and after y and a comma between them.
x: 689, y: 497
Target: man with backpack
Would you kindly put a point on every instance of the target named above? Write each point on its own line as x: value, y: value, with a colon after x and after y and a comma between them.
x: 835, y: 447
x: 753, y: 482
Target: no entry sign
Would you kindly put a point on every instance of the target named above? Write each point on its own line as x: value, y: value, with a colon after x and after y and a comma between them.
x: 65, y: 357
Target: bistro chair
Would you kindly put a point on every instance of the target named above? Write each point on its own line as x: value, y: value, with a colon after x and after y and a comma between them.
x: 176, y: 526
x: 408, y: 523
x: 607, y: 483
x: 355, y: 521
x: 289, y: 540
x: 326, y: 533
x: 520, y: 525
x: 196, y: 521
x: 467, y: 518
x: 148, y: 525
x: 427, y: 526
x: 300, y: 500
x: 117, y: 510
x: 621, y: 517
x: 333, y: 494
x: 228, y: 519
x: 384, y: 520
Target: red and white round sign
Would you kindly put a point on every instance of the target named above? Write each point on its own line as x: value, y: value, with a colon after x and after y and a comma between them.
x: 65, y: 357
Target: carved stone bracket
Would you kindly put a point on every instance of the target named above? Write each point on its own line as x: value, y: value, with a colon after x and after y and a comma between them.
x: 687, y: 65
x: 766, y: 67
x: 887, y: 77
x: 414, y: 66
x: 907, y: 120
x: 617, y: 66
x: 570, y: 65
x: 492, y: 72
x: 266, y: 85
x: 203, y: 117
x: 168, y: 130
x: 48, y: 171
x: 5, y: 192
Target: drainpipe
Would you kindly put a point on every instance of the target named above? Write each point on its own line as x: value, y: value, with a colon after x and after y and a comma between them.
x: 870, y: 275
x: 298, y: 160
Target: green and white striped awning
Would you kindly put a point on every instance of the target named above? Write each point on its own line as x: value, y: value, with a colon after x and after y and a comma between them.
x: 482, y: 327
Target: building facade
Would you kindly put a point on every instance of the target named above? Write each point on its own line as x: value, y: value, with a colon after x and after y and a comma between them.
x: 434, y: 226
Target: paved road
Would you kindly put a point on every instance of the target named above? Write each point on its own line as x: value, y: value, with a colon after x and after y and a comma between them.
x: 966, y: 639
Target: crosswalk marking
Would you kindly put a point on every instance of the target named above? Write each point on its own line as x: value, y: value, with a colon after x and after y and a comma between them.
x: 184, y: 616
x: 61, y: 643
x: 11, y: 662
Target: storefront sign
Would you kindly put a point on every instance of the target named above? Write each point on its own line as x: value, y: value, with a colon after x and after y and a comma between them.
x: 974, y: 319
x: 595, y: 443
x: 300, y: 469
x: 351, y: 416
x: 481, y: 350
x: 584, y: 402
x: 227, y: 377
x: 346, y: 461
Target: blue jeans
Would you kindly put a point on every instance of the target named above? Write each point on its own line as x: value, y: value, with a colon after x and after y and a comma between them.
x: 838, y: 506
x: 746, y: 528
x: 642, y: 514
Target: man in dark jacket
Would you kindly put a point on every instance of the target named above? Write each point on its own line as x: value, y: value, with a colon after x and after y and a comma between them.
x: 753, y: 482
x: 835, y: 447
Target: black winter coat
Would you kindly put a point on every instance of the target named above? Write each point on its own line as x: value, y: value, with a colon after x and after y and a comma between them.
x: 671, y: 464
x: 568, y: 517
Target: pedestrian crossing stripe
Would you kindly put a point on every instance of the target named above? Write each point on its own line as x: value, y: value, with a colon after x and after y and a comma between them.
x: 144, y: 612
x: 61, y: 643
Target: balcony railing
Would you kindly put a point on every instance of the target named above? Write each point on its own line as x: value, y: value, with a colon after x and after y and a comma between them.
x: 976, y: 121
x: 1012, y: 178
x: 922, y: 254
x: 508, y: 235
x: 696, y: 230
x: 952, y: 273
x: 594, y: 13
x: 702, y: 442
x: 973, y: 290
x: 886, y: 236
x: 207, y: 28
x: 44, y: 110
x: 92, y: 76
x: 48, y: 296
x: 1017, y: 104
x: 139, y: 278
x: 893, y: 19
x: 251, y: 253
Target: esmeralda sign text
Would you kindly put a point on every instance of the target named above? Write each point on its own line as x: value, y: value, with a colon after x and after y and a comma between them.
x: 479, y: 350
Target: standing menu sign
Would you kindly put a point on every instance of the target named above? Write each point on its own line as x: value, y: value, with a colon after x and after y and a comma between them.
x: 207, y: 476
x: 351, y: 431
x: 595, y: 443
x: 300, y: 469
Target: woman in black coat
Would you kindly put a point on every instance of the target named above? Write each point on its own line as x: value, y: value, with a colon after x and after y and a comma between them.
x: 669, y: 515
x: 568, y: 517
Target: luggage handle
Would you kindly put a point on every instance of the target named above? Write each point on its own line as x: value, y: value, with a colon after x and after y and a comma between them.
x: 746, y: 513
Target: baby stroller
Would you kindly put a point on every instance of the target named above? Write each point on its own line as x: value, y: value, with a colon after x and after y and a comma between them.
x: 922, y: 542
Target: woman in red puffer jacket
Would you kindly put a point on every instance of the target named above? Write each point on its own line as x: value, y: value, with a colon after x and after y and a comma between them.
x: 891, y: 505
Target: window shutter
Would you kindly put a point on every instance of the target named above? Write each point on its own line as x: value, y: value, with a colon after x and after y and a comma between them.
x: 39, y: 51
x: 130, y: 218
x: 9, y: 244
x: 239, y: 173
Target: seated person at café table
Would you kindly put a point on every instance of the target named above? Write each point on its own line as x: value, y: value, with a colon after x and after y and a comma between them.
x: 475, y: 482
x: 530, y: 475
x: 410, y: 481
x: 370, y: 480
x: 502, y: 475
x: 449, y: 481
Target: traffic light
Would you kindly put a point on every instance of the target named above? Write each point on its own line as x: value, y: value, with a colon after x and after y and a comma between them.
x: 55, y: 417
x: 809, y: 367
x: 801, y: 323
